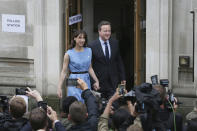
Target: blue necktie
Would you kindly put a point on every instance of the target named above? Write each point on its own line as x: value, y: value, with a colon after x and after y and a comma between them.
x: 106, y: 51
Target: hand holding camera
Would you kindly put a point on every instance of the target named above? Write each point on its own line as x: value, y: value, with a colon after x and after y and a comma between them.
x: 71, y: 82
x: 132, y: 108
x: 121, y: 89
x: 116, y: 96
x: 51, y: 114
x: 35, y: 94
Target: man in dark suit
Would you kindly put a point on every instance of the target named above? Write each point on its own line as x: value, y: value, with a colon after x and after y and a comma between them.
x: 106, y: 61
x: 84, y: 116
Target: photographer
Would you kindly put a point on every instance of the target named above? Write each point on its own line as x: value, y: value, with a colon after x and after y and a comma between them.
x: 38, y: 119
x: 67, y: 101
x: 121, y: 118
x: 167, y: 113
x: 14, y: 120
x: 84, y: 117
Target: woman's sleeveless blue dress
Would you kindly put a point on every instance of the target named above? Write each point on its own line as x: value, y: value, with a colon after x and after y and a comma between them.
x: 79, y: 62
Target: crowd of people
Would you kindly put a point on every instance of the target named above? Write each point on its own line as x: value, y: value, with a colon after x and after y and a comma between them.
x: 148, y: 110
x: 98, y: 67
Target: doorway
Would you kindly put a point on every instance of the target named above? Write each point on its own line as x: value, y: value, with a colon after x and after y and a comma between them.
x: 127, y: 18
x: 122, y: 18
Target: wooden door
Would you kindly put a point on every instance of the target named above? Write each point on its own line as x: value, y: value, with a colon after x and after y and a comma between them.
x: 73, y: 7
x: 140, y: 43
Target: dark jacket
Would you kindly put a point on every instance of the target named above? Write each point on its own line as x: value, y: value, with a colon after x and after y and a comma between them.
x: 92, y: 121
x: 20, y: 124
x: 107, y: 71
x: 162, y: 121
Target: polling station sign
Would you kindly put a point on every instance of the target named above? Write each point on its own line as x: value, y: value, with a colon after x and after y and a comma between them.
x: 13, y: 23
x: 75, y: 19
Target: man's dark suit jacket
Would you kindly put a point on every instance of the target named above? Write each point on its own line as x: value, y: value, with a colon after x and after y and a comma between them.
x: 111, y: 71
x: 92, y: 121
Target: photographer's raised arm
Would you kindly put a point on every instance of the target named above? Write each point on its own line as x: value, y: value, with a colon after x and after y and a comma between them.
x: 53, y: 117
x: 103, y: 121
x: 132, y: 108
x: 91, y: 104
x: 109, y: 104
x: 35, y: 94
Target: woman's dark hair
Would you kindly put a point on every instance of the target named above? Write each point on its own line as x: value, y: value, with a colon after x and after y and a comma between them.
x: 76, y: 34
x: 67, y: 101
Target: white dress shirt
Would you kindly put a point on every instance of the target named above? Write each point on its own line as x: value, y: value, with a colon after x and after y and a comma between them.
x: 103, y: 46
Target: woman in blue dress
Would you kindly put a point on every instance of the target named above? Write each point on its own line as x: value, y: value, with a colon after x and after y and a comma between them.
x: 78, y: 60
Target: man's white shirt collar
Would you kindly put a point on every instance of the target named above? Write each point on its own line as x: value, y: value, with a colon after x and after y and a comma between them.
x: 103, y: 46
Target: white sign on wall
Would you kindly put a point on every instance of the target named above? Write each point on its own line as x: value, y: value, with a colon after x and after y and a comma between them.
x: 75, y: 19
x: 13, y: 23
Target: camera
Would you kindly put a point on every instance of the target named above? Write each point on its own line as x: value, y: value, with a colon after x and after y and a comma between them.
x: 164, y: 82
x: 21, y: 91
x: 121, y: 89
x: 130, y: 96
x: 145, y: 87
x: 154, y: 80
x: 168, y: 103
x: 102, y: 104
x: 147, y: 98
x: 71, y: 82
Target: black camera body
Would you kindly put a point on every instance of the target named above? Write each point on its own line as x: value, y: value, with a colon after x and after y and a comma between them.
x: 21, y: 91
x: 170, y: 100
x: 147, y: 98
x: 102, y: 104
x: 164, y: 82
x: 130, y: 96
x: 71, y: 82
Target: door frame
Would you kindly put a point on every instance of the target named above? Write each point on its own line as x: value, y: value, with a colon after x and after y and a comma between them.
x: 69, y: 5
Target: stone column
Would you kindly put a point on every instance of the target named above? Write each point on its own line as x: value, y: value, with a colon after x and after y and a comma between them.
x: 158, y: 20
x: 195, y: 50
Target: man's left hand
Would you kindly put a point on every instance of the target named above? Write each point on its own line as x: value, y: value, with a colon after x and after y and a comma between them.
x: 96, y: 86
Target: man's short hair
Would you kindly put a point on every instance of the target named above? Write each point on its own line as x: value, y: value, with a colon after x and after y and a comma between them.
x: 103, y: 23
x: 17, y: 106
x: 119, y: 117
x: 67, y: 101
x: 38, y: 118
x: 78, y: 112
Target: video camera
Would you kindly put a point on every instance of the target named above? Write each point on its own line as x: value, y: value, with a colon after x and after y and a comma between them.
x: 170, y: 100
x: 144, y: 96
x: 170, y: 96
x: 147, y: 98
